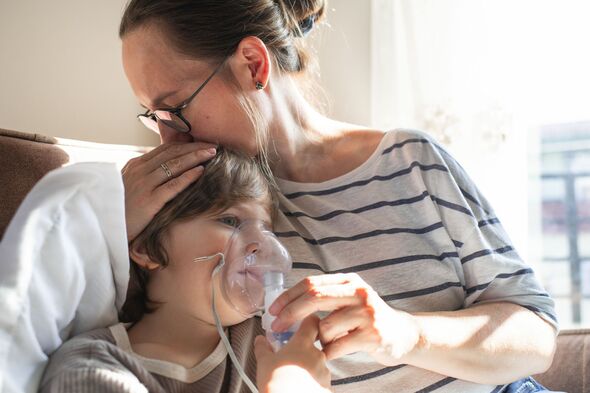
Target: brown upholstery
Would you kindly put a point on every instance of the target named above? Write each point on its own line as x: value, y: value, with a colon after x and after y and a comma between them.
x: 25, y: 158
x: 570, y: 371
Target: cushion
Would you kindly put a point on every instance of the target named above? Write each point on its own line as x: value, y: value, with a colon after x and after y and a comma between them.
x: 570, y: 371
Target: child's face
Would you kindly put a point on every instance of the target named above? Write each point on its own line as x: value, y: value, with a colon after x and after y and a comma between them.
x: 185, y: 285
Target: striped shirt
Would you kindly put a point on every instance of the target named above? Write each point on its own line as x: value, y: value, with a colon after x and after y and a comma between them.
x: 413, y: 225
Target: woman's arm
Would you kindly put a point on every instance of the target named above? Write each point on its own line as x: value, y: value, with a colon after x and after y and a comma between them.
x: 490, y: 343
x: 493, y: 343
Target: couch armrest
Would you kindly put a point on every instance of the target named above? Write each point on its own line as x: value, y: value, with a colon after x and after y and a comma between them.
x: 27, y: 157
x: 570, y: 371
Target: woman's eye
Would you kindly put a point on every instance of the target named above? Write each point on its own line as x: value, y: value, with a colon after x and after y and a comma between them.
x: 229, y: 220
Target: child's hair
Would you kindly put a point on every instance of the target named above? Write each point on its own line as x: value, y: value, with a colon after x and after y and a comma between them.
x: 229, y: 178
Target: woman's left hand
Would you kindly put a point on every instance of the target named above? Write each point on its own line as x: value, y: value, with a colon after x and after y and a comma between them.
x: 359, y: 320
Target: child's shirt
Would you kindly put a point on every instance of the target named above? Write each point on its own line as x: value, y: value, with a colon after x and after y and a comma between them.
x: 103, y: 361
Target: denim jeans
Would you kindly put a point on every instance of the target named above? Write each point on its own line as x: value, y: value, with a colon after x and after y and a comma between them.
x: 525, y: 385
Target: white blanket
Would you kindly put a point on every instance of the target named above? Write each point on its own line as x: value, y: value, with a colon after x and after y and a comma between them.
x: 64, y: 268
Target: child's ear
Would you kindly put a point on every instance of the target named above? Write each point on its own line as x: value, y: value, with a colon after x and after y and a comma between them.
x: 139, y: 256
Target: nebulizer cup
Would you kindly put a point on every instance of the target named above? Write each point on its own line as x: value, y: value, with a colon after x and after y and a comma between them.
x: 252, y: 269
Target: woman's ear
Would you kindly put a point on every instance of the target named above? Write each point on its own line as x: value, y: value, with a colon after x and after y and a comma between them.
x: 138, y: 255
x: 251, y: 64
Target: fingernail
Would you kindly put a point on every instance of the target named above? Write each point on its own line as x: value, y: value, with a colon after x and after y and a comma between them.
x: 212, y: 151
x: 273, y: 310
x: 276, y: 326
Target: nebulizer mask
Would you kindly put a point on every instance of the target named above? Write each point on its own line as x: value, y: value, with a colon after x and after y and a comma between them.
x: 251, y: 269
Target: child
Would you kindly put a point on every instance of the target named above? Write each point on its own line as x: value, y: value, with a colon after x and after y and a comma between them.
x: 170, y: 341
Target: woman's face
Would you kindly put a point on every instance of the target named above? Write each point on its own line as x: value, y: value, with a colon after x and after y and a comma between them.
x: 162, y: 78
x: 185, y: 285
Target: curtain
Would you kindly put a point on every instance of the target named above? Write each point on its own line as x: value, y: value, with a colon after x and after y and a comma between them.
x: 482, y: 76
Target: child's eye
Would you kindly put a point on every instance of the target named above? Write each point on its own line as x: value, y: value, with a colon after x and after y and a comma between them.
x: 230, y: 221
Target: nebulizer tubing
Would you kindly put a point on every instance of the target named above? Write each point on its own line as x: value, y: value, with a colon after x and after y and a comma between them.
x: 224, y: 339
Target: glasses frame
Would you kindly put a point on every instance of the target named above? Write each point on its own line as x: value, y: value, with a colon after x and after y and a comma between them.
x: 176, y: 111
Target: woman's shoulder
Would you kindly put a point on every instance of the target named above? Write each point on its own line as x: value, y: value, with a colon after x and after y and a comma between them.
x: 367, y: 144
x: 400, y: 137
x: 406, y: 146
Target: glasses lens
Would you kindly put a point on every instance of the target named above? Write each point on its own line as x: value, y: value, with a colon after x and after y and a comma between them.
x: 149, y: 122
x: 172, y: 120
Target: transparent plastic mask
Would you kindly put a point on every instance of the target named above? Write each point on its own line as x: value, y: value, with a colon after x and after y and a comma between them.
x: 252, y: 251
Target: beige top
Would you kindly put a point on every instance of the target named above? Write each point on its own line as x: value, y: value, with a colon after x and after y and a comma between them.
x: 103, y: 361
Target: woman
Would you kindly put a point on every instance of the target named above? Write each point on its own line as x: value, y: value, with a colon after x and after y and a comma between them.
x: 421, y: 277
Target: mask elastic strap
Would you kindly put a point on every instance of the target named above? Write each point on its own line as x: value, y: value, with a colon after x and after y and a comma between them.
x: 222, y: 335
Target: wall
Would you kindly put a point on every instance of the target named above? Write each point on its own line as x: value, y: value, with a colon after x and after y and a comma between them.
x: 344, y: 53
x: 61, y: 73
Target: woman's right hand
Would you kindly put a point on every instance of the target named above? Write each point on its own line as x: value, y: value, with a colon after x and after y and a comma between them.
x: 298, y: 366
x: 148, y: 185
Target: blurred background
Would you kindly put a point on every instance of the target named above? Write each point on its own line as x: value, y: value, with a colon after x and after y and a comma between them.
x: 504, y: 85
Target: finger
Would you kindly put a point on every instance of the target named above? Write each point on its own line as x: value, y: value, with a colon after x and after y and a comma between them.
x: 303, y: 307
x: 172, y: 155
x: 327, y: 298
x: 262, y: 347
x: 307, y: 284
x: 172, y: 187
x: 307, y: 332
x: 353, y: 342
x: 178, y: 166
x: 341, y: 322
x: 174, y: 149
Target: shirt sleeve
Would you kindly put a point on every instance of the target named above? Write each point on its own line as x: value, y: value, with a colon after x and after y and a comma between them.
x: 87, y: 364
x: 93, y: 380
x: 490, y: 269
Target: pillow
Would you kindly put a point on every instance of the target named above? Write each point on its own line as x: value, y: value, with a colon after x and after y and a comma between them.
x: 64, y: 268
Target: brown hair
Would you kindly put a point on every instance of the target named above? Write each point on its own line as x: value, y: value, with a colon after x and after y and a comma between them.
x: 229, y: 178
x: 212, y: 29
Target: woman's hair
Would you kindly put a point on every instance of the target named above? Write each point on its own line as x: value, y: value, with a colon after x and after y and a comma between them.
x: 229, y: 178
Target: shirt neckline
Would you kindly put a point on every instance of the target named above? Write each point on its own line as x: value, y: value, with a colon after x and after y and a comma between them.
x: 169, y: 369
x: 289, y: 186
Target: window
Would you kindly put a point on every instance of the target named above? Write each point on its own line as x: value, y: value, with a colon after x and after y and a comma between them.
x: 565, y: 217
x: 505, y: 87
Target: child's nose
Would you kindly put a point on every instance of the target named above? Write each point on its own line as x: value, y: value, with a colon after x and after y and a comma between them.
x: 252, y: 248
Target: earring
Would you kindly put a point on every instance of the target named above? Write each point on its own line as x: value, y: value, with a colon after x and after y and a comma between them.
x: 259, y: 86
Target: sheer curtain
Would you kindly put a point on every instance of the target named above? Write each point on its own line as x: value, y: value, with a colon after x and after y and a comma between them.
x: 483, y: 77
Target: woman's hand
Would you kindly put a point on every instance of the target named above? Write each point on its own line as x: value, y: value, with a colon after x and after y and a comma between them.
x: 154, y: 178
x: 298, y: 366
x: 359, y: 321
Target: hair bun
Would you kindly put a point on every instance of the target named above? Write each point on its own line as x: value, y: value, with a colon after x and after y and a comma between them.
x: 306, y: 25
x: 305, y: 13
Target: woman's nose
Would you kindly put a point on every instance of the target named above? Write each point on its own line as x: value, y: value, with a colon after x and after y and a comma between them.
x: 169, y: 134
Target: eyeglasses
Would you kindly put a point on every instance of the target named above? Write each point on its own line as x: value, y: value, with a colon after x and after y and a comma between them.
x: 173, y: 117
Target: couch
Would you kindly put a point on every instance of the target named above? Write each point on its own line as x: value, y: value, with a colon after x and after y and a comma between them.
x: 26, y: 157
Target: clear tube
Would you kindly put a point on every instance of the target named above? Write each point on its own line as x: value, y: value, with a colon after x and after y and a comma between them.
x: 220, y: 330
